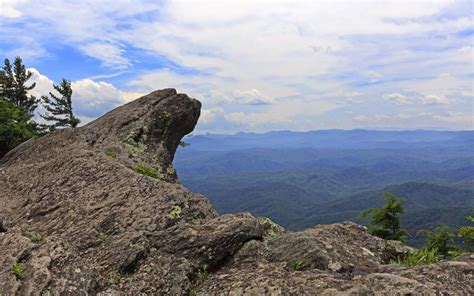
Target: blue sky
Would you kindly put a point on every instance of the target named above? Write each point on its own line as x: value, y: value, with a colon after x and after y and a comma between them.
x: 257, y: 65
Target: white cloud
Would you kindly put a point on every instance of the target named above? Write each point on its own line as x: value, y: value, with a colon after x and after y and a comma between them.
x: 436, y: 99
x: 8, y: 9
x: 93, y: 99
x: 268, y: 65
x: 400, y: 99
x: 90, y: 98
x: 111, y: 55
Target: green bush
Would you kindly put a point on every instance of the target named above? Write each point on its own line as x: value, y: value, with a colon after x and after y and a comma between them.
x: 15, y: 126
x: 165, y: 116
x: 297, y: 265
x: 147, y: 171
x: 102, y: 236
x: 421, y: 257
x: 440, y: 239
x: 35, y: 237
x: 204, y: 267
x: 175, y: 212
x: 110, y: 153
x: 183, y: 144
x: 17, y: 269
x: 467, y: 235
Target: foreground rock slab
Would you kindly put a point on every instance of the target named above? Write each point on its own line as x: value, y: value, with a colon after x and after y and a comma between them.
x: 99, y: 210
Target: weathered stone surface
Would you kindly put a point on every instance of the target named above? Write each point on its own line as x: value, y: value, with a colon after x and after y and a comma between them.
x: 80, y: 220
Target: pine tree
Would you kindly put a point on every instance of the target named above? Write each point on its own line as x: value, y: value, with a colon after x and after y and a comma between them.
x: 60, y: 108
x: 441, y: 239
x: 467, y: 234
x: 13, y: 85
x: 385, y: 222
x: 15, y: 126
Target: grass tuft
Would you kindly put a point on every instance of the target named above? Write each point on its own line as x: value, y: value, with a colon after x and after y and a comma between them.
x: 147, y: 171
x: 421, y: 257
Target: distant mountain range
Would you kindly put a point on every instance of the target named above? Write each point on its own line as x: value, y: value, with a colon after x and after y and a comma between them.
x: 301, y: 179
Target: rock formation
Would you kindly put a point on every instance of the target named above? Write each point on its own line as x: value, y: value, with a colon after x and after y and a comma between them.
x: 99, y: 210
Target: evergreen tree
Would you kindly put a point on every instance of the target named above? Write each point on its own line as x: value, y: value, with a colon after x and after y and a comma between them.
x: 467, y: 235
x: 385, y: 222
x: 440, y: 238
x: 60, y: 107
x: 13, y: 85
x: 15, y: 126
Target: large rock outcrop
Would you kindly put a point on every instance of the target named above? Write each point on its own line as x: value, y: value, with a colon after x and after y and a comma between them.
x: 99, y: 210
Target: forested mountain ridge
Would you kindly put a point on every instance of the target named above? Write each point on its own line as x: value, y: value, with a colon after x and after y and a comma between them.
x: 303, y: 179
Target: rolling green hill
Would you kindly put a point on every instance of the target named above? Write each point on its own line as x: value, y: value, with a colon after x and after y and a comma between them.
x: 298, y: 182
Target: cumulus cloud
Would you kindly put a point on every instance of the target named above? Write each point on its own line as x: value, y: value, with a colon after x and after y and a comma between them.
x: 8, y: 8
x: 91, y: 99
x: 400, y: 99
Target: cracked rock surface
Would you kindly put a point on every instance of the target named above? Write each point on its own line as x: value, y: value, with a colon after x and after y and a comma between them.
x: 98, y: 210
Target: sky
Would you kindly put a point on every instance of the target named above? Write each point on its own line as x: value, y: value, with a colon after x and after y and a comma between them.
x: 256, y: 65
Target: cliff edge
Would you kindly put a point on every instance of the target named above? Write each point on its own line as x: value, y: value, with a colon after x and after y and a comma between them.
x: 99, y: 210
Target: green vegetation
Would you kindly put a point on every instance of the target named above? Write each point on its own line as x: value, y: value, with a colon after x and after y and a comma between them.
x: 204, y: 268
x: 18, y: 269
x: 147, y: 171
x: 35, y: 237
x: 197, y: 216
x: 15, y: 126
x: 421, y: 257
x: 270, y: 227
x: 385, y: 222
x: 175, y: 212
x: 183, y: 144
x: 165, y: 116
x: 110, y: 153
x: 13, y: 86
x: 297, y: 265
x: 59, y: 109
x: 467, y: 235
x: 17, y: 106
x: 102, y: 236
x: 440, y: 239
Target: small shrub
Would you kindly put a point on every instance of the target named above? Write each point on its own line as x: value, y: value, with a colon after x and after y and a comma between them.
x: 110, y: 153
x: 35, y: 237
x: 297, y: 265
x: 197, y: 216
x: 270, y: 227
x: 204, y: 268
x: 421, y: 257
x: 183, y: 144
x: 102, y: 236
x: 147, y: 171
x: 165, y: 116
x: 18, y: 269
x: 175, y: 212
x: 440, y: 239
x: 467, y: 235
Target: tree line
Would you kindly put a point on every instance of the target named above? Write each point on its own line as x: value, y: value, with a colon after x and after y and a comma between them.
x: 385, y: 223
x: 17, y: 106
